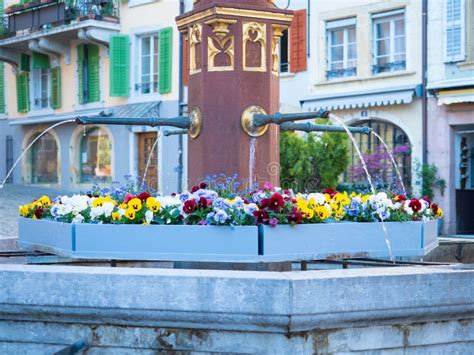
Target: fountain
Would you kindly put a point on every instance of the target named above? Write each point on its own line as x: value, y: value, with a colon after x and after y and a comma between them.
x: 416, y: 308
x: 233, y: 85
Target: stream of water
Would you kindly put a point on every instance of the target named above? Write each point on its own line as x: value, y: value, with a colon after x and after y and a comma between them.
x: 394, y: 162
x: 369, y: 178
x: 30, y: 145
x: 150, y: 155
x: 253, y: 143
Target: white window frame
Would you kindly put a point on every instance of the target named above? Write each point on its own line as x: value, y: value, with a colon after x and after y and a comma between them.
x: 33, y: 97
x: 343, y: 25
x: 391, y: 17
x: 138, y: 74
x: 462, y: 24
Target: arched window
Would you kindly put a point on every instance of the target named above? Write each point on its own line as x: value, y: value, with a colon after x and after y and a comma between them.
x: 96, y: 156
x: 378, y: 161
x: 44, y: 160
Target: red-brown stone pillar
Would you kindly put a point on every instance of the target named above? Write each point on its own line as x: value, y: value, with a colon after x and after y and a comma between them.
x: 233, y: 70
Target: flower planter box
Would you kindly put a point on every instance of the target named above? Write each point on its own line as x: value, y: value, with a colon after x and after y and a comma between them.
x: 139, y: 242
x: 349, y: 240
x: 214, y: 243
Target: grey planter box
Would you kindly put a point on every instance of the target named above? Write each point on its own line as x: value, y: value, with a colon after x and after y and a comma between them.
x: 349, y: 240
x: 239, y: 244
x: 139, y: 242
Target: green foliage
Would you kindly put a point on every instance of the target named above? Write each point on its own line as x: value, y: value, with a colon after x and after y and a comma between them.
x: 427, y: 176
x: 313, y: 161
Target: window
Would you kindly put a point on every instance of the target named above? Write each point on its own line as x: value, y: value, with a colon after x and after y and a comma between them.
x: 284, y: 52
x: 378, y: 162
x: 389, y: 41
x: 40, y: 83
x: 44, y: 160
x: 96, y: 156
x: 148, y: 65
x: 342, y: 49
x: 454, y: 31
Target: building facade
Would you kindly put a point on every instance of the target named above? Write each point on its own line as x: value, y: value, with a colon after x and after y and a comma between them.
x: 64, y: 59
x: 364, y: 65
x: 451, y: 108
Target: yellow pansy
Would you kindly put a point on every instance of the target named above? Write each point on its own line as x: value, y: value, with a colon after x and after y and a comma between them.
x: 98, y: 202
x: 123, y: 206
x: 135, y: 203
x: 116, y: 216
x: 307, y: 213
x: 365, y: 198
x: 130, y: 213
x: 45, y: 201
x: 153, y: 204
x: 328, y: 198
x: 439, y: 214
x: 23, y: 209
x: 342, y: 199
x: 322, y: 212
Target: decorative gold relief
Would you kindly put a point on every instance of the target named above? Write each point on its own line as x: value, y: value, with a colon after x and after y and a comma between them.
x: 220, y: 49
x: 254, y: 46
x: 196, y: 123
x: 277, y: 33
x: 246, y: 120
x: 195, y: 42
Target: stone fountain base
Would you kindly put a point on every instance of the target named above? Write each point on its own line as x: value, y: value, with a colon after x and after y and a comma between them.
x: 229, y: 244
x: 414, y: 310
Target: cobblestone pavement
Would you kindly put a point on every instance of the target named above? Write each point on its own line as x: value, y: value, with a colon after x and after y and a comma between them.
x: 10, y: 197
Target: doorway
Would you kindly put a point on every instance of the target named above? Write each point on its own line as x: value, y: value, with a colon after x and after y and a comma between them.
x: 147, y: 154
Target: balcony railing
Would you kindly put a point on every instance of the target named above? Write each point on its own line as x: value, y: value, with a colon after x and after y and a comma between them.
x: 341, y: 73
x: 389, y: 67
x: 44, y: 14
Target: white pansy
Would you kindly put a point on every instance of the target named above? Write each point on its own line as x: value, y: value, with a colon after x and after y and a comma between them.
x: 319, y: 198
x: 148, y: 216
x: 108, y: 208
x: 96, y: 212
x: 78, y: 219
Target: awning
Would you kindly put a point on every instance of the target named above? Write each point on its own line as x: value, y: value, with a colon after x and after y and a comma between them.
x: 146, y: 109
x: 448, y: 97
x: 374, y: 98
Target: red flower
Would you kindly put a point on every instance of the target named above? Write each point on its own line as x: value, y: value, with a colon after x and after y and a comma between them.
x: 128, y: 197
x: 331, y: 192
x: 204, y: 203
x: 276, y: 202
x: 203, y: 185
x: 415, y: 205
x: 39, y: 212
x: 265, y: 203
x: 295, y: 216
x: 434, y: 208
x: 189, y: 206
x: 194, y: 189
x: 261, y: 216
x: 143, y: 196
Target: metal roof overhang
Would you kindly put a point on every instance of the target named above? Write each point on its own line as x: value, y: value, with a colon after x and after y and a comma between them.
x: 373, y: 98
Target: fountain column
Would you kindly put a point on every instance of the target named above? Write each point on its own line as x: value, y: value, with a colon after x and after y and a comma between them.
x: 233, y: 72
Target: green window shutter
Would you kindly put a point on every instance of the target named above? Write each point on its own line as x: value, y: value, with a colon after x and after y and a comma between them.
x: 22, y: 92
x: 119, y: 65
x: 166, y: 43
x: 24, y: 62
x: 56, y: 88
x: 39, y: 61
x: 2, y: 88
x: 80, y: 78
x: 93, y: 71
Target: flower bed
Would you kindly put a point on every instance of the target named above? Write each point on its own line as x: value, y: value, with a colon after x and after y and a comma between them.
x: 218, y: 224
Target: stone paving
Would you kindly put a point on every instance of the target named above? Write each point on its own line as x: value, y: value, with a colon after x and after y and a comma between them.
x: 10, y: 197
